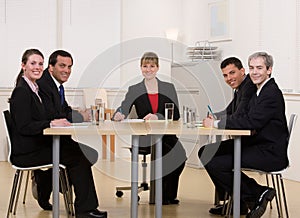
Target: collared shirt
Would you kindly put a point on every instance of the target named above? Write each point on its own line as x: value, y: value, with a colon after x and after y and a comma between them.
x: 33, y: 86
x: 56, y: 82
x: 264, y: 83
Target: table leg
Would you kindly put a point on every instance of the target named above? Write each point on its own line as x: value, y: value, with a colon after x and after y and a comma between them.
x: 55, y: 177
x: 152, y: 176
x: 158, y: 176
x: 237, y: 177
x: 134, y: 176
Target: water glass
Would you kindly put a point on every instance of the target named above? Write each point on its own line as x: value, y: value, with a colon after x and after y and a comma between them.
x: 94, y: 114
x: 169, y: 111
x: 191, y: 118
x: 101, y: 107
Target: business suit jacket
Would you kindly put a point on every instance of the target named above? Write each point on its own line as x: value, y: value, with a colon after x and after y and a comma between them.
x: 28, y: 121
x: 50, y: 95
x: 266, y: 118
x: 239, y: 103
x: 137, y: 95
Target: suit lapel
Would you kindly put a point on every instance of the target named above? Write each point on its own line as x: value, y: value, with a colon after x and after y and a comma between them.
x: 144, y: 97
x: 54, y: 90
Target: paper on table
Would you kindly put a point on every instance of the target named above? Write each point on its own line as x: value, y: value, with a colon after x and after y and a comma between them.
x: 133, y: 121
x: 199, y: 123
x: 155, y: 121
x: 81, y: 124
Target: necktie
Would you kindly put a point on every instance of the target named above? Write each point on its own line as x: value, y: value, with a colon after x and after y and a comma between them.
x: 61, y: 94
x: 234, y: 100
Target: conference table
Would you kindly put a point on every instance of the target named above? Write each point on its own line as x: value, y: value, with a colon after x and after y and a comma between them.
x: 137, y: 128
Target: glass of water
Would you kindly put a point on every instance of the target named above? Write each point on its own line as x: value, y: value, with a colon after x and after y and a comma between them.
x: 169, y: 111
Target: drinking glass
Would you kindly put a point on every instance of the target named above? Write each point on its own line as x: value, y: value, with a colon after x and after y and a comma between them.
x: 169, y: 111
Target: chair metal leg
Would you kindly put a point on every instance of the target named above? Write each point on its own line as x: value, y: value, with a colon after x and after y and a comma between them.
x: 276, y: 196
x: 26, y: 186
x: 144, y: 186
x: 63, y: 189
x: 268, y: 184
x: 284, y: 196
x: 279, y: 195
x: 18, y: 192
x: 67, y: 192
x: 229, y: 206
x: 224, y: 202
x: 13, y: 193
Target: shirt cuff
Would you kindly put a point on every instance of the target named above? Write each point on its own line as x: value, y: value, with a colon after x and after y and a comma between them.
x: 216, y: 122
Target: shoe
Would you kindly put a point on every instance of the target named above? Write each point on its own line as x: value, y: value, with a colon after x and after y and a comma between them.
x: 92, y: 214
x: 260, y: 206
x: 218, y: 209
x: 45, y: 205
x: 173, y: 201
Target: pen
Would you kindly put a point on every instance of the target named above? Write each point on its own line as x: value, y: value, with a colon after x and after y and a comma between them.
x: 212, y: 113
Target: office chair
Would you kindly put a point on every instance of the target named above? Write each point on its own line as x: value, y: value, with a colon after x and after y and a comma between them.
x: 144, y: 186
x: 15, y: 192
x: 277, y: 180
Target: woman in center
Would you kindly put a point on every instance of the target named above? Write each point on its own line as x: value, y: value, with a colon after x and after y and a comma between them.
x: 149, y: 98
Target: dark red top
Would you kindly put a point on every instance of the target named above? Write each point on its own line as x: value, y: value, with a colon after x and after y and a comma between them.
x: 153, y: 98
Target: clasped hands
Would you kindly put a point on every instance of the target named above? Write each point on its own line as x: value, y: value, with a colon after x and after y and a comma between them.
x: 60, y: 123
x: 119, y: 116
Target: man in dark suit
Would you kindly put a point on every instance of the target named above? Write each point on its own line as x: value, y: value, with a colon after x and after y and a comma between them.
x: 265, y: 149
x: 234, y: 75
x: 52, y: 94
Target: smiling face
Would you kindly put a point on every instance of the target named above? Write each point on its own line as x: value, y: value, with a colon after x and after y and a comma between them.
x: 149, y: 69
x: 258, y: 71
x: 62, y: 69
x: 33, y: 67
x: 233, y: 76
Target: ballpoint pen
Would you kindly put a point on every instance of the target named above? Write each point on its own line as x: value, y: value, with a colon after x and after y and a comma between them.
x: 212, y: 113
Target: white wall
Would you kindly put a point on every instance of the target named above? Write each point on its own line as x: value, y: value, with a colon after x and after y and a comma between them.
x: 86, y: 28
x: 107, y: 37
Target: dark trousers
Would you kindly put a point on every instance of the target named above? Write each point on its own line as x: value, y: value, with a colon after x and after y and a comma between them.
x: 217, y: 159
x: 78, y: 159
x: 173, y: 162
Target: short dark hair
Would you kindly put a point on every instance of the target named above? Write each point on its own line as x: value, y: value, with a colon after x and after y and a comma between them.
x: 232, y: 60
x: 53, y: 57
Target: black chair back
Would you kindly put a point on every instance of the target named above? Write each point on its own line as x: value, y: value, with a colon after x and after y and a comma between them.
x: 8, y: 121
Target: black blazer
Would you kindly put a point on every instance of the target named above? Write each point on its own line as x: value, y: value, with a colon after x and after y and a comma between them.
x: 28, y: 121
x: 239, y: 103
x: 137, y: 95
x: 51, y: 99
x: 266, y: 118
